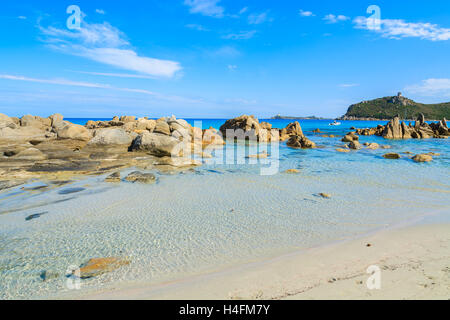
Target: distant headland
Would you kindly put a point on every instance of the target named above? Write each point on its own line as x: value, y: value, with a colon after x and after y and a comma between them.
x: 389, y: 107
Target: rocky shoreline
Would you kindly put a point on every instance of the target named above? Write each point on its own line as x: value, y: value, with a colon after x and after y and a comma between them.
x: 56, y: 150
x: 52, y: 149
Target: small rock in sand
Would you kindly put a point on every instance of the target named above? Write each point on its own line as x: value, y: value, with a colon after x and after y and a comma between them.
x: 99, y: 266
x: 292, y: 171
x: 325, y: 195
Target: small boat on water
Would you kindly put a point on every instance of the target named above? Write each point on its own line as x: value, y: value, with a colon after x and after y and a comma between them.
x: 335, y: 123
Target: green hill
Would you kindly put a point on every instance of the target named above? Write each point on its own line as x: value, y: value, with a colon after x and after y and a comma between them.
x: 389, y: 107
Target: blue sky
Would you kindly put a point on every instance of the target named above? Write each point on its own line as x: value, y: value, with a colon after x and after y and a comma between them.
x: 219, y: 58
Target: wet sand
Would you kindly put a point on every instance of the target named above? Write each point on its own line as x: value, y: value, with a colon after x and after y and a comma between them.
x: 414, y: 263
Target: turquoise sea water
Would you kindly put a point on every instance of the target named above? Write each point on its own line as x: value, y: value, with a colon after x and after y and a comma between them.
x: 217, y: 215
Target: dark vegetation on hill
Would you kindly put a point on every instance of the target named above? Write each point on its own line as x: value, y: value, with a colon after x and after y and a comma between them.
x: 389, y: 107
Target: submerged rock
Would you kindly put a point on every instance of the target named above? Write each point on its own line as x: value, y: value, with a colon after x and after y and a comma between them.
x: 115, y: 177
x: 141, y: 177
x: 342, y: 150
x: 392, y: 156
x: 98, y: 266
x: 48, y: 275
x: 355, y: 145
x: 262, y: 155
x: 373, y: 146
x: 35, y: 216
x: 422, y: 158
x: 292, y: 171
x: 71, y: 191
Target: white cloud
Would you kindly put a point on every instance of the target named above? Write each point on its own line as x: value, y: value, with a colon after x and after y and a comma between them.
x: 349, y: 85
x: 232, y: 67
x: 205, y: 7
x: 22, y: 17
x: 108, y: 45
x: 431, y: 87
x: 331, y: 18
x: 243, y: 10
x: 243, y: 35
x: 306, y: 13
x: 258, y: 18
x: 197, y: 27
x: 65, y: 82
x: 398, y: 29
x: 100, y: 11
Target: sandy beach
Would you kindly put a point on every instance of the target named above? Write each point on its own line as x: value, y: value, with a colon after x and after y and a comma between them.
x: 414, y: 263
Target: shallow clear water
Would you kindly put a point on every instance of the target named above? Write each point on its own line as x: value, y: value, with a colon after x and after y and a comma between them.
x: 216, y: 216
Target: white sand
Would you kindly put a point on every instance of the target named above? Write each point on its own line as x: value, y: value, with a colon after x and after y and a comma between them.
x: 414, y: 263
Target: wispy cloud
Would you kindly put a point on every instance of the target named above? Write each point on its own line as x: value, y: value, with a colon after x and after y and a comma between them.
x: 331, y: 18
x: 398, y: 29
x: 348, y: 85
x: 240, y: 101
x: 225, y: 52
x: 232, y: 67
x: 117, y: 75
x: 22, y: 17
x: 258, y: 18
x: 108, y: 45
x: 431, y: 87
x: 205, y: 7
x: 65, y: 82
x: 243, y: 35
x: 243, y: 10
x: 304, y: 13
x: 197, y: 27
x: 100, y: 11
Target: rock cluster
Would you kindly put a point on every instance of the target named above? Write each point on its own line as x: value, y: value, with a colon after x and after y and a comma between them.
x: 32, y: 146
x: 396, y: 129
x: 249, y: 127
